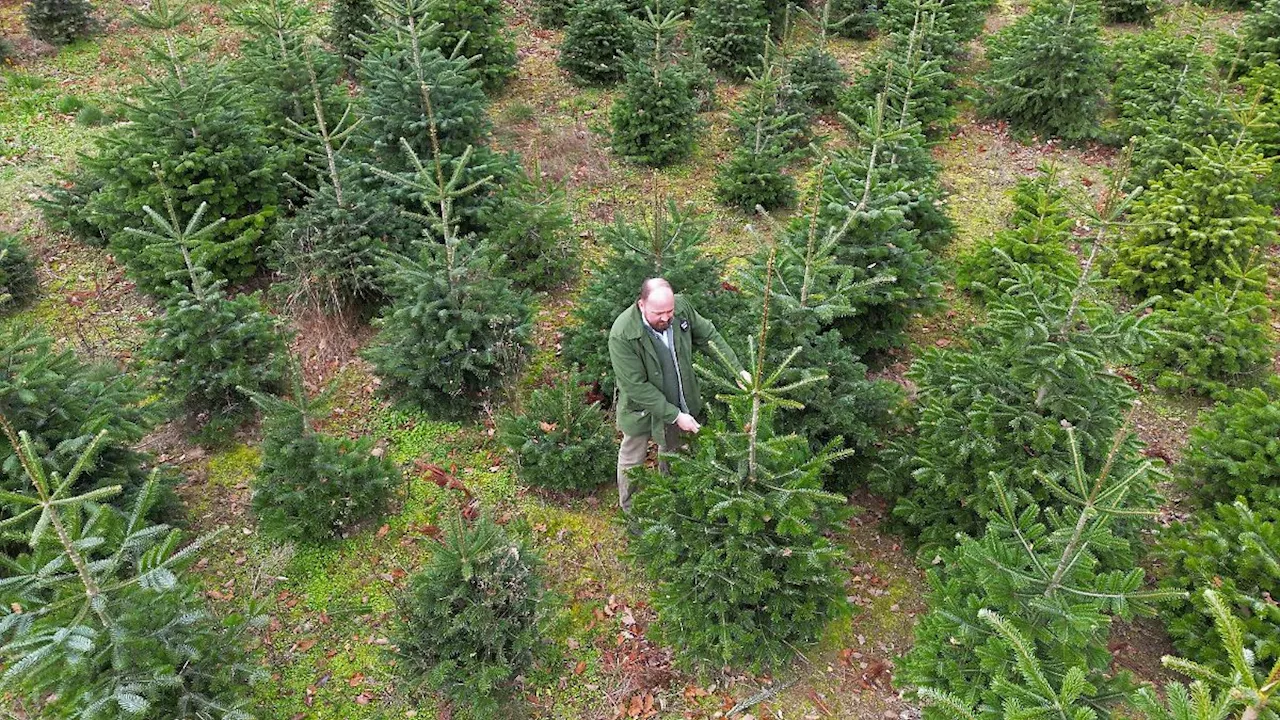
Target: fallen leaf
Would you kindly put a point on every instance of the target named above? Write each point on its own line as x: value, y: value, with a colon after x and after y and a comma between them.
x: 580, y: 668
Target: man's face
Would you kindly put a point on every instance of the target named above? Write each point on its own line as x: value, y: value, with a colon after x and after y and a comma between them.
x: 659, y: 309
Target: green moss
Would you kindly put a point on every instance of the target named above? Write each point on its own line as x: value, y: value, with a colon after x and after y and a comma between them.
x: 234, y: 465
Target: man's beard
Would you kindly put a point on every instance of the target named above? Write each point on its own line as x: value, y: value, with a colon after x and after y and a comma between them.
x: 660, y: 326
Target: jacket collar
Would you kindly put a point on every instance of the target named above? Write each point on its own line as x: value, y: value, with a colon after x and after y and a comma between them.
x: 633, y: 328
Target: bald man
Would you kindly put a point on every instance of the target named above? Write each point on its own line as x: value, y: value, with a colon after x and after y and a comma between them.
x: 651, y: 346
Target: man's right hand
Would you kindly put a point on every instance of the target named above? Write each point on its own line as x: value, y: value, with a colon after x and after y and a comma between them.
x: 685, y: 422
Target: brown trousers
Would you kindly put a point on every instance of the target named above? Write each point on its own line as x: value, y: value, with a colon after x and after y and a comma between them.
x: 633, y: 451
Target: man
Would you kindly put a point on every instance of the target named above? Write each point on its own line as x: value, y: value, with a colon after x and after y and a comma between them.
x: 650, y: 346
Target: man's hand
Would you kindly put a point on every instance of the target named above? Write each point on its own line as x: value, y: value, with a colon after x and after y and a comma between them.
x: 685, y: 422
x: 745, y: 381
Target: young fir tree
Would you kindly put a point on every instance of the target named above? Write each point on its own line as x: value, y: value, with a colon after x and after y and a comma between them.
x: 669, y: 244
x: 1129, y: 11
x: 1054, y: 578
x: 731, y: 34
x: 734, y: 535
x: 190, y: 125
x: 775, y: 98
x: 1233, y: 451
x: 65, y: 402
x: 18, y: 284
x: 285, y: 72
x: 947, y: 25
x: 912, y: 77
x: 453, y: 330
x: 329, y: 250
x: 1218, y: 336
x: 1153, y: 74
x: 474, y: 29
x: 855, y: 19
x: 818, y: 76
x: 402, y: 57
x: 811, y: 293
x: 59, y: 22
x: 754, y: 174
x: 1038, y: 237
x: 1195, y: 220
x: 1262, y: 88
x: 531, y: 237
x: 559, y: 439
x: 208, y: 348
x: 349, y: 22
x: 470, y: 621
x: 872, y: 204
x: 312, y: 486
x: 1047, y: 71
x: 599, y: 35
x: 995, y: 411
x: 556, y: 13
x: 1231, y: 548
x: 1258, y: 41
x: 655, y: 120
x: 100, y: 620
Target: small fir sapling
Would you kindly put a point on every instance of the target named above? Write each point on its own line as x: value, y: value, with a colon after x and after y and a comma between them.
x: 531, y: 237
x: 1130, y: 11
x: 855, y: 19
x: 754, y: 174
x: 59, y: 22
x: 914, y: 80
x: 474, y: 29
x: 1257, y: 42
x: 560, y: 440
x: 1234, y: 450
x: 470, y: 621
x: 732, y: 34
x: 655, y: 121
x: 312, y: 486
x: 18, y: 284
x: 1155, y: 72
x: 818, y: 76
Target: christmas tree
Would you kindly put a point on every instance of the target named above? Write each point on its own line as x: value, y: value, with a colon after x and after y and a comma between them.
x: 349, y: 21
x: 731, y: 34
x: 59, y: 22
x: 17, y: 273
x: 600, y: 33
x: 655, y: 120
x: 559, y: 439
x: 474, y: 29
x: 754, y: 174
x: 734, y: 535
x: 1047, y: 70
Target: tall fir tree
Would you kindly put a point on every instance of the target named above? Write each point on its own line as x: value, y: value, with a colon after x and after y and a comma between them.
x: 656, y: 119
x: 1047, y: 71
x: 453, y: 330
x: 734, y: 534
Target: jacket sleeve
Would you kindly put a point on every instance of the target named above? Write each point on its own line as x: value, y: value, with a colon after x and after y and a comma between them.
x: 629, y: 374
x: 705, y: 335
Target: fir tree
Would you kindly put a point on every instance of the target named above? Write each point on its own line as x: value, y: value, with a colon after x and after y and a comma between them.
x: 559, y: 439
x: 1038, y: 588
x: 911, y: 75
x: 189, y: 130
x: 17, y: 273
x: 731, y: 34
x: 1129, y: 11
x: 600, y: 33
x: 470, y: 622
x: 59, y: 22
x: 754, y: 175
x: 330, y: 248
x: 1262, y: 88
x: 554, y: 13
x: 870, y: 208
x: 1041, y: 229
x: 946, y: 25
x: 312, y: 486
x: 775, y: 99
x: 734, y: 533
x: 531, y: 237
x: 401, y: 59
x: 1258, y: 42
x: 474, y: 29
x: 1047, y: 71
x: 453, y: 330
x: 286, y: 73
x: 1234, y: 450
x: 1231, y: 548
x: 65, y: 402
x: 349, y: 21
x: 1154, y: 73
x: 818, y: 76
x: 1217, y: 336
x: 668, y: 244
x: 655, y: 120
x: 856, y: 19
x: 99, y: 619
x: 208, y: 348
x: 1195, y: 220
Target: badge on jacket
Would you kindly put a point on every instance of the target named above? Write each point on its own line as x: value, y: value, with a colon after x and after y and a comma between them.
x: 684, y: 325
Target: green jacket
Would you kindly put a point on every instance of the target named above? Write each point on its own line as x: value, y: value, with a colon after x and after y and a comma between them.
x: 642, y: 406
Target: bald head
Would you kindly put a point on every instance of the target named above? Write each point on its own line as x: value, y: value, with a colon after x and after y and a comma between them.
x: 657, y: 303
